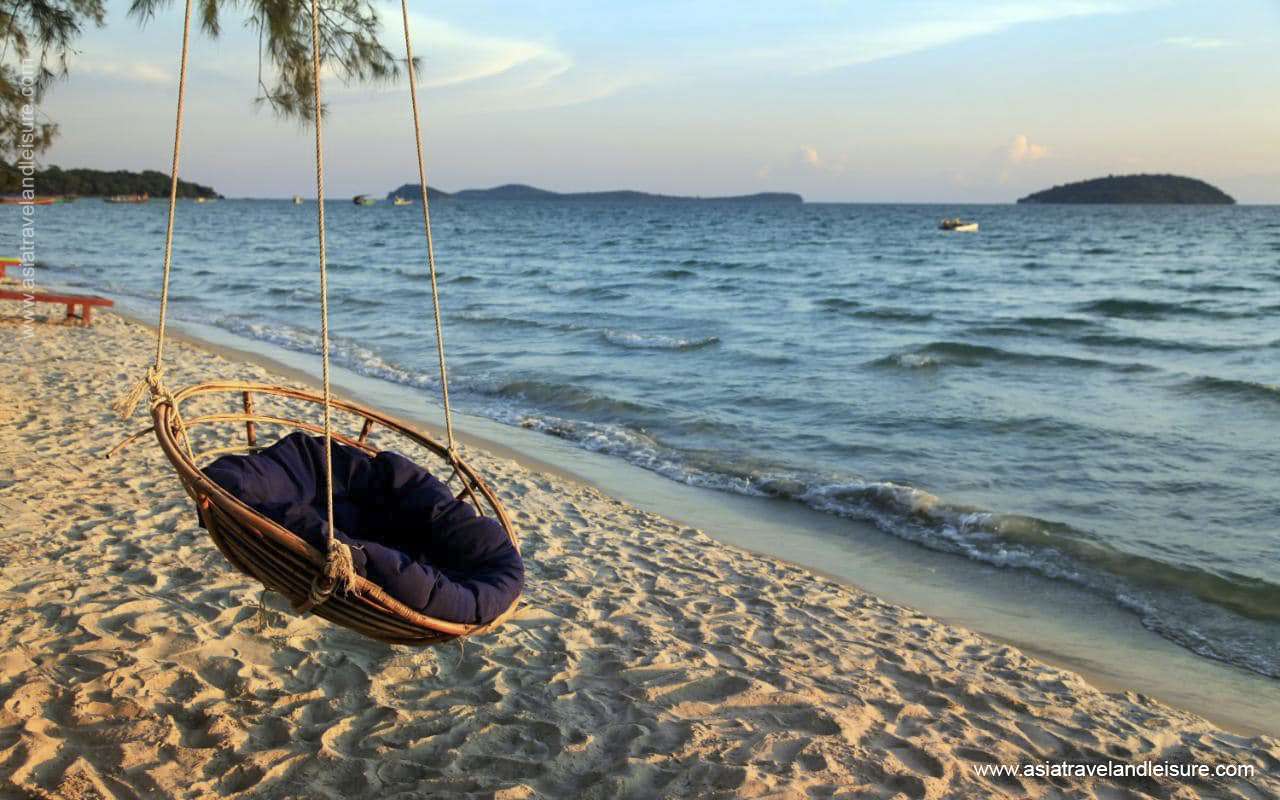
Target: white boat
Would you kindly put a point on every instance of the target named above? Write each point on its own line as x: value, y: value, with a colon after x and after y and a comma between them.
x: 127, y: 198
x: 957, y: 225
x: 297, y: 200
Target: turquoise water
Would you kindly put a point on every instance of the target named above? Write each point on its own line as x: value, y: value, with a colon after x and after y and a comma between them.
x: 1087, y: 393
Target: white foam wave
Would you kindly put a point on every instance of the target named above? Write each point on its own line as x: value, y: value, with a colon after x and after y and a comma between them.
x: 655, y: 341
x: 356, y: 357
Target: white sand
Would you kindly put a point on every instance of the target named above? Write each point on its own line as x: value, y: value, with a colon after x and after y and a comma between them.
x: 648, y: 661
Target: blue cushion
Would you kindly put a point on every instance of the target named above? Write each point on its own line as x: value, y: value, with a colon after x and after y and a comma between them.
x: 407, y: 532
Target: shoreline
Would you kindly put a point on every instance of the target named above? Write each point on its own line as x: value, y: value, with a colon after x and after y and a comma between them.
x: 1076, y: 647
x: 648, y: 658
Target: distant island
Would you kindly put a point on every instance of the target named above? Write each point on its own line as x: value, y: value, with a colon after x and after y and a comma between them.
x: 520, y: 192
x: 1134, y: 189
x: 56, y: 181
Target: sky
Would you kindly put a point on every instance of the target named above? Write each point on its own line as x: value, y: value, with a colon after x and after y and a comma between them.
x: 867, y: 101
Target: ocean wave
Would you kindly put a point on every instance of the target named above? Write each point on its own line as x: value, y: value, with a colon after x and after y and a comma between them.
x: 597, y: 293
x: 355, y: 357
x: 908, y: 361
x: 703, y: 263
x: 1133, y: 308
x: 641, y: 449
x: 1235, y: 389
x: 342, y: 266
x: 676, y: 274
x: 997, y: 330
x: 1191, y: 606
x: 771, y: 358
x: 1056, y: 323
x: 480, y: 318
x: 1050, y: 327
x: 619, y: 338
x: 1147, y: 343
x: 894, y: 314
x: 655, y: 341
x: 1222, y: 288
x: 1127, y: 308
x: 417, y: 280
x: 963, y: 354
x: 1194, y: 607
x: 634, y: 446
x: 837, y: 303
x: 300, y: 294
x: 570, y: 397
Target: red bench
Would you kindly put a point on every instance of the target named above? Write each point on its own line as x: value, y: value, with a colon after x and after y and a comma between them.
x: 86, y: 302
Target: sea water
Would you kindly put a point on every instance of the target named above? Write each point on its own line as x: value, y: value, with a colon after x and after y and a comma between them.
x: 1091, y: 394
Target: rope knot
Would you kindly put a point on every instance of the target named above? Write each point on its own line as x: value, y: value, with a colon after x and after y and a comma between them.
x: 127, y: 403
x: 337, y: 575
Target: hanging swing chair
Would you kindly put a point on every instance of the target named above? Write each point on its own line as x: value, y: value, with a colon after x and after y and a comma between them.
x: 324, y: 582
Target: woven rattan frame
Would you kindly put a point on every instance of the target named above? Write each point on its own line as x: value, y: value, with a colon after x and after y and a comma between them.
x: 281, y: 560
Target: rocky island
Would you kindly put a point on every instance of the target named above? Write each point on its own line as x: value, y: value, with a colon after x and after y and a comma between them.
x: 1134, y: 189
x: 512, y: 192
x: 55, y: 181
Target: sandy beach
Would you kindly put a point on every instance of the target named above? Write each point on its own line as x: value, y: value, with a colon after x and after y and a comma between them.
x: 648, y: 660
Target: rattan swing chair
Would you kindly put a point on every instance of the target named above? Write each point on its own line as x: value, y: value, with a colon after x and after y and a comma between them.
x: 324, y: 583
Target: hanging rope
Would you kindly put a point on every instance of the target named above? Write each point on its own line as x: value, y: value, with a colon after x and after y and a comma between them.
x: 339, y: 571
x: 153, y: 380
x: 426, y: 226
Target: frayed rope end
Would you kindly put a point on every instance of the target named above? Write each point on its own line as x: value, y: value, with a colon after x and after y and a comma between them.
x: 340, y: 568
x: 126, y: 404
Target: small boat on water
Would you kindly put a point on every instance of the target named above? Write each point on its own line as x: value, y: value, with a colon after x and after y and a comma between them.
x: 18, y: 200
x: 957, y: 225
x: 127, y: 198
x: 297, y: 199
x: 402, y: 201
x: 364, y: 200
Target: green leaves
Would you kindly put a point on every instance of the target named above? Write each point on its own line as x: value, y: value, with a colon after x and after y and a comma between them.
x: 45, y: 31
x: 37, y: 35
x: 350, y: 47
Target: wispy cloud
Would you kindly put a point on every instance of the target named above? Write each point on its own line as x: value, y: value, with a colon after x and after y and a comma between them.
x: 1197, y: 42
x: 469, y: 70
x: 946, y: 23
x: 452, y: 56
x: 479, y: 72
x: 130, y: 71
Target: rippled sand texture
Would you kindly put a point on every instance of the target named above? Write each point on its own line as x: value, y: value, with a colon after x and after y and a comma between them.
x: 649, y: 661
